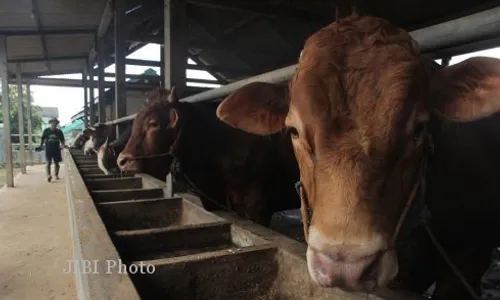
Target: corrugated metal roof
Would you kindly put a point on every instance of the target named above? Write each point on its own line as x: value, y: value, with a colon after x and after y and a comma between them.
x: 66, y: 26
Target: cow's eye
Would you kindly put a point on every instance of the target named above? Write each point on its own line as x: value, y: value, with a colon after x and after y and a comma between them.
x: 153, y: 124
x: 293, y: 132
x: 419, y: 131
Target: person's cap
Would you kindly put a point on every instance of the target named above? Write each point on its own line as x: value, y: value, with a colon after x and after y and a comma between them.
x: 54, y: 120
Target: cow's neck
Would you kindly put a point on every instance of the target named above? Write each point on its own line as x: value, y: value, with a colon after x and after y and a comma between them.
x: 198, y: 149
x: 198, y: 127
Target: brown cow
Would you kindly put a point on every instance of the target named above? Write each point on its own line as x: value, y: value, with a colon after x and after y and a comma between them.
x: 229, y: 169
x: 362, y: 106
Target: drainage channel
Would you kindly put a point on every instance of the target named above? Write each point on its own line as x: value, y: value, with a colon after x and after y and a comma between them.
x: 173, y: 249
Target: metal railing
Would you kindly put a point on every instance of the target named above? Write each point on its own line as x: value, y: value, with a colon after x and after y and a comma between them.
x: 474, y: 27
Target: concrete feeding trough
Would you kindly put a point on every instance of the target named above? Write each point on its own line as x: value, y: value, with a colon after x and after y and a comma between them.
x: 195, y: 254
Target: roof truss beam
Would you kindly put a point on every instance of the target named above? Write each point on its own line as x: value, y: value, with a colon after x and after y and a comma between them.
x: 255, y: 7
x: 14, y: 32
x: 36, y: 14
x: 47, y: 58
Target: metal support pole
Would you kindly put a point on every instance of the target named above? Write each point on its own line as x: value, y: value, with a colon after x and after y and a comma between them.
x: 6, y: 110
x: 175, y: 53
x: 445, y: 61
x: 100, y: 72
x: 91, y: 95
x: 162, y: 65
x: 20, y: 119
x: 120, y: 92
x: 30, y: 126
x: 85, y: 99
x: 175, y: 45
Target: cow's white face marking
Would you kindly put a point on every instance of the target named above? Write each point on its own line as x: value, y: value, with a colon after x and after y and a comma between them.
x: 300, y: 55
x: 101, y: 156
x: 89, y: 146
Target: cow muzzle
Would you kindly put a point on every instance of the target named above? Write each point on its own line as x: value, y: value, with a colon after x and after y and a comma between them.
x: 359, y: 267
x: 127, y: 163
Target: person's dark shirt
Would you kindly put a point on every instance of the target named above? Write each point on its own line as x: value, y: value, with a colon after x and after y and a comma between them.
x: 52, y: 138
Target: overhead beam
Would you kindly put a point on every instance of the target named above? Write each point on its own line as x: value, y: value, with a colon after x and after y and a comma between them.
x: 201, y: 63
x: 106, y: 18
x: 6, y: 111
x: 214, y: 38
x: 36, y: 15
x: 79, y: 83
x: 46, y: 31
x: 142, y: 62
x: 149, y: 38
x: 258, y: 8
x: 47, y: 58
x: 135, y: 76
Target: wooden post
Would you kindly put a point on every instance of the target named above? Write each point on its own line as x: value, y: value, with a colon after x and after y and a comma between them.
x: 445, y: 61
x: 6, y: 110
x: 175, y: 54
x: 100, y: 72
x: 120, y: 92
x: 162, y: 65
x: 20, y: 119
x: 30, y: 126
x: 91, y: 94
x: 85, y: 98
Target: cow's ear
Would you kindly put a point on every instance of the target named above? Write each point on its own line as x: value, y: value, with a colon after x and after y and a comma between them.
x: 467, y: 91
x: 172, y: 97
x: 258, y: 108
x: 173, y: 117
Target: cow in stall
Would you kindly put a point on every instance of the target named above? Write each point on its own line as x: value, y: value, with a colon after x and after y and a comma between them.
x: 362, y: 108
x: 79, y: 141
x: 107, y: 153
x: 106, y: 148
x: 228, y: 169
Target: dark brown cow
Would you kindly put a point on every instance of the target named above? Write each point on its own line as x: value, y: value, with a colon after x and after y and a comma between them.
x: 362, y: 106
x: 229, y: 169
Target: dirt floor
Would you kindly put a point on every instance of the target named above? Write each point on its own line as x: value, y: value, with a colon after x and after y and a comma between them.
x: 3, y: 175
x: 35, y: 241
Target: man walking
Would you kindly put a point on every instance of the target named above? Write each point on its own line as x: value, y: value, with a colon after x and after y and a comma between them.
x: 54, y: 142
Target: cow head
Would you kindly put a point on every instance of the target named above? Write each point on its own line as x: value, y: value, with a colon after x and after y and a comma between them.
x: 153, y: 132
x: 357, y: 111
x: 108, y: 151
x: 81, y: 138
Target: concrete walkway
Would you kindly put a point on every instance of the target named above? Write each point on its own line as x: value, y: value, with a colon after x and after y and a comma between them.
x: 35, y: 241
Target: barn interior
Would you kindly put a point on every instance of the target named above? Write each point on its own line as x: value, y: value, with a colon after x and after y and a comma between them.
x: 232, y: 40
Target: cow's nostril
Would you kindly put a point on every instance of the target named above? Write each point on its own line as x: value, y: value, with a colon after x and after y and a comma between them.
x: 122, y: 160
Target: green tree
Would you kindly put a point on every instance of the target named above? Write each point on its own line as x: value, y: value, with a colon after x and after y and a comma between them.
x: 36, y: 113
